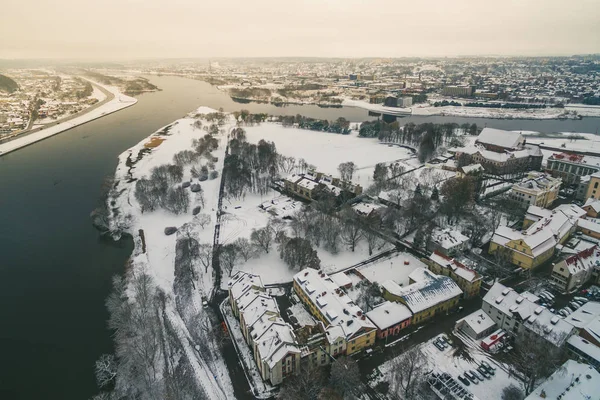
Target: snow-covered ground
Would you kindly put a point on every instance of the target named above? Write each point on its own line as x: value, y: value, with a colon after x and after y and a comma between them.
x: 327, y: 150
x: 500, y: 113
x: 155, y: 255
x: 119, y: 102
x: 447, y: 361
x: 379, y: 108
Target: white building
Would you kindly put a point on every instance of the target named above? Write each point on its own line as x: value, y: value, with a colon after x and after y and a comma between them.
x: 519, y: 315
x: 576, y: 270
x: 447, y: 241
x: 537, y: 189
x: 476, y: 325
x: 572, y: 381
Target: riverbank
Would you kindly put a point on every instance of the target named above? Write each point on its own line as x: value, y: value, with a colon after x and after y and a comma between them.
x: 118, y: 102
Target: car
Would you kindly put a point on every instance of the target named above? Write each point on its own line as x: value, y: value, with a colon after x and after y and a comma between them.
x: 487, y: 369
x: 437, y: 344
x: 477, y: 375
x: 464, y: 380
x: 574, y: 305
x: 553, y: 311
x: 488, y: 365
x: 568, y: 309
x: 471, y: 377
x: 483, y: 372
x: 581, y: 299
x: 563, y: 313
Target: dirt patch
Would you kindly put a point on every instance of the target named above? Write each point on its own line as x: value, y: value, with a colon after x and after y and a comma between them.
x: 154, y: 142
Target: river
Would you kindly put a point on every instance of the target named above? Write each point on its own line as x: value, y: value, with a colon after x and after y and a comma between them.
x: 55, y: 270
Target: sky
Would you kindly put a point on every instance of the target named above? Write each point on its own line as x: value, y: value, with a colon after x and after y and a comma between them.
x: 131, y: 29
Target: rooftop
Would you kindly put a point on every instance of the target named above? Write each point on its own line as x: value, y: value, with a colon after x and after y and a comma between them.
x: 458, y: 268
x: 573, y: 381
x: 388, y: 314
x: 478, y: 321
x: 428, y: 290
x: 333, y: 303
x: 448, y: 238
x: 501, y: 138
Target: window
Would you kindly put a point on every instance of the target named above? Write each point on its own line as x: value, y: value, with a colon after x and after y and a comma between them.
x: 596, y: 185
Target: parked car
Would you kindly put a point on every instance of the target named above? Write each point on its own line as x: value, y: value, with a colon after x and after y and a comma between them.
x: 483, y: 372
x: 574, y: 305
x: 568, y: 309
x: 472, y: 377
x: 437, y: 344
x: 477, y: 375
x: 581, y: 299
x: 488, y: 366
x: 563, y: 313
x: 464, y: 380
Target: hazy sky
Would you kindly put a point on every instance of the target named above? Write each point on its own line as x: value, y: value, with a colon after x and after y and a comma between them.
x: 123, y: 29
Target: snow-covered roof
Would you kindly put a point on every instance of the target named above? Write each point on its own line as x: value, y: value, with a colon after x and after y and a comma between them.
x: 302, y: 316
x: 396, y: 269
x: 478, y: 321
x: 428, y: 290
x: 448, y: 238
x: 536, y: 319
x: 467, y: 169
x: 275, y: 342
x: 333, y: 303
x: 537, y: 182
x: 585, y: 314
x: 388, y: 314
x: 341, y: 279
x: 589, y: 225
x: 583, y: 261
x: 241, y: 282
x: 366, y: 208
x: 535, y: 213
x: 593, y: 204
x: 458, y: 268
x: 573, y: 381
x: 579, y: 159
x: 585, y: 347
x: 259, y: 305
x: 501, y: 138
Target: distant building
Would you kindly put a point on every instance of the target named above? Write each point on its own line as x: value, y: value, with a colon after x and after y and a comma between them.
x: 458, y: 91
x: 405, y: 102
x: 571, y: 167
x: 427, y: 294
x: 592, y: 207
x: 572, y: 381
x: 468, y: 280
x: 537, y: 189
x: 501, y: 152
x: 390, y: 101
x: 308, y: 185
x: 576, y: 270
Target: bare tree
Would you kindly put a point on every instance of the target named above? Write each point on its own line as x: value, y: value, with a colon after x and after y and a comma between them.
x: 262, y: 238
x: 344, y: 378
x: 298, y: 253
x: 512, y: 392
x: 286, y: 164
x: 245, y: 248
x: 535, y: 357
x: 369, y: 295
x: 409, y: 370
x: 205, y: 254
x: 229, y: 256
x: 202, y: 220
x: 307, y: 384
x: 351, y: 234
x: 346, y: 170
x: 106, y: 369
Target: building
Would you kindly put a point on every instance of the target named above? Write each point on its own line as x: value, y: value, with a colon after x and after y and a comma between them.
x: 500, y: 141
x: 582, y: 188
x: 582, y: 350
x: 427, y: 294
x: 537, y: 189
x: 468, y: 280
x: 447, y: 241
x: 458, y: 91
x: 592, y: 207
x: 589, y: 228
x: 593, y: 191
x: 476, y: 325
x: 571, y: 167
x: 272, y: 341
x: 331, y: 305
x: 389, y: 318
x: 520, y: 316
x: 536, y: 244
x: 308, y: 185
x: 572, y: 381
x: 501, y: 152
x: 405, y: 102
x: 390, y: 101
x: 576, y: 270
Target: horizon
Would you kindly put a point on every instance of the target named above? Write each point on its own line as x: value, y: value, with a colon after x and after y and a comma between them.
x: 183, y: 29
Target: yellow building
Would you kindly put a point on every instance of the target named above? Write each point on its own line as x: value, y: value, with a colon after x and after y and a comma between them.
x: 537, y: 189
x: 468, y: 280
x: 592, y: 207
x: 427, y: 294
x: 589, y: 228
x: 536, y: 244
x: 593, y: 191
x: 331, y: 305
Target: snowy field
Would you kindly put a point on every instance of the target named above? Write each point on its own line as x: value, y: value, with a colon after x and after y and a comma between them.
x: 570, y: 141
x: 327, y: 150
x: 447, y: 361
x: 119, y: 102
